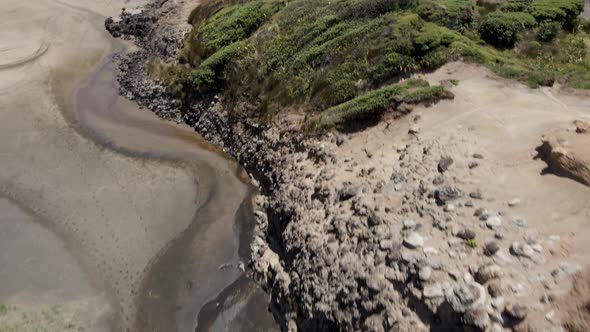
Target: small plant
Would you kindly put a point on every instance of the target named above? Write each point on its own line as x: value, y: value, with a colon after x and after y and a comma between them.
x: 3, y: 309
x: 472, y: 243
x: 547, y: 31
x: 454, y: 82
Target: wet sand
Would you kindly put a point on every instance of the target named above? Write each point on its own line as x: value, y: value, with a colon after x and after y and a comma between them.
x: 140, y: 213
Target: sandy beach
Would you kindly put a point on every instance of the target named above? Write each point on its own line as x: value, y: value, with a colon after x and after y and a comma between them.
x: 99, y: 197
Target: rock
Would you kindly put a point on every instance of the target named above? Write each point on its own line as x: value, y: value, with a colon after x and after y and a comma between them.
x: 582, y: 127
x: 498, y: 302
x: 433, y: 291
x: 567, y: 268
x: 446, y: 194
x: 414, y: 240
x: 469, y: 204
x: 487, y: 272
x: 347, y: 192
x: 494, y: 222
x: 425, y: 273
x: 409, y: 224
x: 517, y: 311
x: 476, y: 194
x: 477, y: 156
x: 414, y: 130
x: 519, y: 221
x: 495, y: 288
x: 386, y: 244
x: 566, y: 154
x: 491, y: 248
x: 444, y: 164
x: 514, y: 202
x: 523, y: 250
x: 438, y: 180
x: 466, y: 234
x: 477, y: 317
x: 449, y: 208
x: 465, y: 296
x: 473, y: 164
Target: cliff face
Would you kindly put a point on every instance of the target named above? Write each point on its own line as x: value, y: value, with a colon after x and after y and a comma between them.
x: 385, y: 229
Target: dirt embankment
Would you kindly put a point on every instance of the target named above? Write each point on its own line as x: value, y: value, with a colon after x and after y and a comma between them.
x: 442, y: 219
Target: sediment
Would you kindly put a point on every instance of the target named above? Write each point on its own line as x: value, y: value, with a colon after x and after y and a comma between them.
x: 348, y: 243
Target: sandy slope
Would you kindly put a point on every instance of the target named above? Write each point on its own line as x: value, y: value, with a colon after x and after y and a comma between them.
x: 114, y: 213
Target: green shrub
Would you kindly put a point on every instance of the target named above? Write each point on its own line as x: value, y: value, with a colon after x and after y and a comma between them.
x: 515, y: 5
x: 502, y: 28
x: 547, y: 31
x: 209, y: 74
x: 450, y: 13
x: 564, y: 12
x: 371, y: 106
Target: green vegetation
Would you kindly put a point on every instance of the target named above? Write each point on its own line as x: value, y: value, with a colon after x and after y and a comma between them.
x: 3, y: 309
x: 373, y: 104
x: 472, y: 243
x: 342, y: 61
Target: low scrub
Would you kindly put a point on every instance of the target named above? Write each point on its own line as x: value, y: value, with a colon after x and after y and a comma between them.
x: 340, y: 60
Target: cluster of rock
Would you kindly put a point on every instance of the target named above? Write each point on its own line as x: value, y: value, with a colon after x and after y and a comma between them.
x: 350, y: 243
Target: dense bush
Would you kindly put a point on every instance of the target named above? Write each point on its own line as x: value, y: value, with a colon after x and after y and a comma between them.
x: 548, y: 31
x: 449, y: 13
x: 515, y: 5
x: 502, y: 28
x: 564, y: 12
x: 371, y: 105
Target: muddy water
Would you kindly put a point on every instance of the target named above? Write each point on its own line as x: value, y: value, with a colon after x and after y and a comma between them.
x: 195, y: 281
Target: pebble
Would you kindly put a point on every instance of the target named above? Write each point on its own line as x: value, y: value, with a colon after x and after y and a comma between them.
x: 444, y: 164
x: 466, y: 234
x: 497, y: 302
x: 487, y: 272
x: 409, y: 224
x: 494, y: 222
x: 414, y: 130
x: 517, y: 311
x: 477, y: 156
x: 519, y: 221
x: 430, y: 251
x: 519, y: 249
x: 491, y: 248
x: 469, y: 204
x: 514, y: 202
x: 449, y: 208
x: 476, y: 195
x: 432, y: 291
x: 414, y: 240
x: 425, y: 273
x: 473, y: 164
x: 550, y: 316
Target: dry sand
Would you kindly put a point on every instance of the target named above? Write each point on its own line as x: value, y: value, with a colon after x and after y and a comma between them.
x: 101, y: 220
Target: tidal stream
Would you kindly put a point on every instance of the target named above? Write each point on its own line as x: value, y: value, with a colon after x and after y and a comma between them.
x: 111, y: 219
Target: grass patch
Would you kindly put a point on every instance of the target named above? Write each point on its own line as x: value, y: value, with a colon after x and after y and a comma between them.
x: 340, y: 60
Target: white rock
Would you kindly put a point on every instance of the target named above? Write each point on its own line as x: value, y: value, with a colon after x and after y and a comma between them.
x: 494, y: 221
x: 514, y: 202
x: 414, y: 240
x: 497, y: 302
x: 432, y: 291
x: 409, y: 223
x: 430, y: 251
x: 425, y: 273
x: 449, y: 208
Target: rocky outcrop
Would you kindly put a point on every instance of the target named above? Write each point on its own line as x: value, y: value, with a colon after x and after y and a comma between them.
x: 567, y: 152
x: 354, y: 243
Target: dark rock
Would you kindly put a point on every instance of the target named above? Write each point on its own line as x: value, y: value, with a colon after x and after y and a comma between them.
x: 476, y: 195
x: 446, y: 194
x: 491, y: 248
x: 349, y: 191
x: 444, y: 164
x: 466, y: 234
x: 517, y: 311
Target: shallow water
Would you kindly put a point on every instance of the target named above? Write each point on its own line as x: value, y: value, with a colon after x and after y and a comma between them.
x: 201, y: 264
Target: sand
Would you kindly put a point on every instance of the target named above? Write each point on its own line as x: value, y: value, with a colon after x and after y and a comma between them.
x: 108, y: 194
